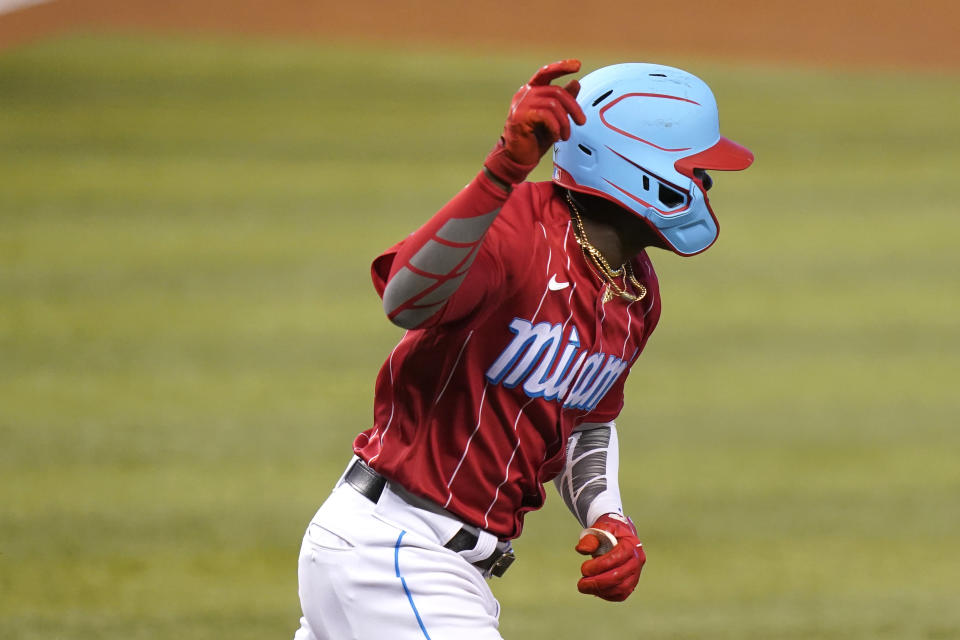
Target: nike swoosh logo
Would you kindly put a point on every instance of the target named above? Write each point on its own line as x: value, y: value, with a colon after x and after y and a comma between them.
x: 553, y: 285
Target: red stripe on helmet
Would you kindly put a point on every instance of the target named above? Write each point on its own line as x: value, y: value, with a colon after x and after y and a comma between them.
x: 630, y: 135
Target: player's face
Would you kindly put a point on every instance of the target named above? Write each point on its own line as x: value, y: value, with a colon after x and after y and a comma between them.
x: 704, y: 178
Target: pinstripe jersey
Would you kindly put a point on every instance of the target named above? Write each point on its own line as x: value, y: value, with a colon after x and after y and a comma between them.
x: 474, y: 413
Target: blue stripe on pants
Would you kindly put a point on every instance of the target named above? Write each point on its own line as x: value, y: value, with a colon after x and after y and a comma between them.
x: 396, y: 564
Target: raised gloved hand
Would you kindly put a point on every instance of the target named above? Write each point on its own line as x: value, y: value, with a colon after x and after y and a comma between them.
x: 539, y: 116
x: 614, y: 570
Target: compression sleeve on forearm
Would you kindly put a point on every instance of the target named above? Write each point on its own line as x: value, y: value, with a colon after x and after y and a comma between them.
x: 432, y: 263
x: 588, y: 483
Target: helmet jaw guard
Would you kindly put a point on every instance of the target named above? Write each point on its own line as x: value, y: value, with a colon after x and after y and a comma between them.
x: 649, y: 127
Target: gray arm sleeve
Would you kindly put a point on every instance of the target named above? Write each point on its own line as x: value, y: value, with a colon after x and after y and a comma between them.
x: 588, y: 483
x: 411, y: 297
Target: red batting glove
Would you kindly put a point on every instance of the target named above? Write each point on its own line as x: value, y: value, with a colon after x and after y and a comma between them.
x: 539, y: 116
x: 612, y: 575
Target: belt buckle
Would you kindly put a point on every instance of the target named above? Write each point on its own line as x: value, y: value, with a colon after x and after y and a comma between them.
x: 501, y: 564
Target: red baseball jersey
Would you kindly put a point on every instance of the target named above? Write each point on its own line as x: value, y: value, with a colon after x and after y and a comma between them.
x: 474, y: 413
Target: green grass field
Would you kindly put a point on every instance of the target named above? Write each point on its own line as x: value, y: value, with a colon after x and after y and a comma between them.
x: 189, y: 339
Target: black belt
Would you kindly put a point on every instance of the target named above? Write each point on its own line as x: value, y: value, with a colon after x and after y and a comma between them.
x: 370, y: 484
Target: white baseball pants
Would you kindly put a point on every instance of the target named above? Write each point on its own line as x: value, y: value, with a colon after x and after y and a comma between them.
x: 380, y: 571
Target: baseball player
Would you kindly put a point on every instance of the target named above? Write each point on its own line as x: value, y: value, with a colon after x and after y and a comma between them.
x: 525, y: 306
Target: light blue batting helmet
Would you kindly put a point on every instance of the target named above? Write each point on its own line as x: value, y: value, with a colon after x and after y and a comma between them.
x: 648, y: 128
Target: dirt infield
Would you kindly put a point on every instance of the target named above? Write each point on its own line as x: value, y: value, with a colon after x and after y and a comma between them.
x: 852, y: 33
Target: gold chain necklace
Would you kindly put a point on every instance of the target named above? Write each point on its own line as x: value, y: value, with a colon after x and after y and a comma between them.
x: 609, y: 274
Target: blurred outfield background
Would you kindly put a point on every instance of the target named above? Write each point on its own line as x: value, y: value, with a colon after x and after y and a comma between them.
x: 189, y: 339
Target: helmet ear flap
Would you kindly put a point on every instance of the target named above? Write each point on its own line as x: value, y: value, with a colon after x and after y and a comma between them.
x: 669, y: 197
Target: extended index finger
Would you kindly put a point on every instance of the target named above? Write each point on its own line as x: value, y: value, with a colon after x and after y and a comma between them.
x: 550, y: 72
